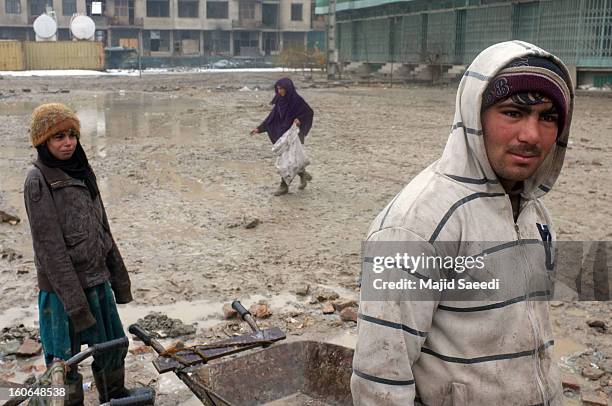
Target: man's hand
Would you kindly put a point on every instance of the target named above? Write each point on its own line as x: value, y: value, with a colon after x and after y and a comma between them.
x: 296, y: 122
x: 254, y: 131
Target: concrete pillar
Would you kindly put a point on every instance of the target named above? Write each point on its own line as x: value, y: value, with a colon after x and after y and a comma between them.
x: 261, y: 43
x: 231, y: 44
x: 172, y: 42
x: 110, y: 8
x: 140, y: 9
x: 57, y: 7
x: 173, y: 11
x: 81, y: 6
x: 332, y: 53
x: 201, y: 42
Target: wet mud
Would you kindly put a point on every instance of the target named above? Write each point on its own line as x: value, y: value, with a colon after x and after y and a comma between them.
x: 180, y: 176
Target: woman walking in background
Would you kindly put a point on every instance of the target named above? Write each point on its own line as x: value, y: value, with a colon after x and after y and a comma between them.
x: 289, y: 108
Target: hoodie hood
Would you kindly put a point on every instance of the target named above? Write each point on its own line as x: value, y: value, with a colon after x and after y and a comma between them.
x: 465, y: 157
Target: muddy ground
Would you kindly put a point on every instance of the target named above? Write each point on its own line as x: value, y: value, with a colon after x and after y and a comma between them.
x: 181, y: 178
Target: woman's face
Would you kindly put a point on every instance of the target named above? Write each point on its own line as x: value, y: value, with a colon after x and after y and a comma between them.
x: 281, y: 91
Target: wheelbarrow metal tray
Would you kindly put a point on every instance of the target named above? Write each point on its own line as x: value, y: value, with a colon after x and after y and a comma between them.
x: 298, y: 373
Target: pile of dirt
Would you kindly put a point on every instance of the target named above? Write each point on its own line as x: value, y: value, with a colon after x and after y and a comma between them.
x: 162, y: 326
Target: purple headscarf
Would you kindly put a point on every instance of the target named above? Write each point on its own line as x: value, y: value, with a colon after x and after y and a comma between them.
x: 286, y: 109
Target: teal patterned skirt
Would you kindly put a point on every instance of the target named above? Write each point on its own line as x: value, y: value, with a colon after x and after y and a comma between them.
x: 57, y: 334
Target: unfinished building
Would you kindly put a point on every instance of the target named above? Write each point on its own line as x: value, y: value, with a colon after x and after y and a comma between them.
x: 223, y: 28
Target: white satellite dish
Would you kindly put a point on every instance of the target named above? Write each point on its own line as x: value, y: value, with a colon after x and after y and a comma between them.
x: 45, y: 28
x: 82, y: 27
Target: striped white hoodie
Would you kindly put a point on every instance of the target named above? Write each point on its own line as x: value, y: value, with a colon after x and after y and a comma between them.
x: 479, y: 353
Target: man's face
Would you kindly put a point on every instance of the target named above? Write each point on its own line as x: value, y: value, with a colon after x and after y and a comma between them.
x: 62, y: 145
x: 518, y: 137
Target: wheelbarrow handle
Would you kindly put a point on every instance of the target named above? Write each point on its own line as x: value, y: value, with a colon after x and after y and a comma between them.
x: 146, y: 338
x: 236, y: 305
x: 96, y: 349
x: 138, y: 400
x: 246, y: 316
x: 141, y: 333
x: 122, y: 342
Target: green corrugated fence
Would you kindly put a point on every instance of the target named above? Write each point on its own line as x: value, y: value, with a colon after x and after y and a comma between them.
x: 578, y: 31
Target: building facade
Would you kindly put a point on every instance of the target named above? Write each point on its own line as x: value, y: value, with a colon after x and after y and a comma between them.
x: 249, y: 28
x: 453, y: 32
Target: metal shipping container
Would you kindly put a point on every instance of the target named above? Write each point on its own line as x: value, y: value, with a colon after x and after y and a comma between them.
x: 64, y: 55
x: 11, y: 56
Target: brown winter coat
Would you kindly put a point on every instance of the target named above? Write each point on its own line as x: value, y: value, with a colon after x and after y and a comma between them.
x: 73, y: 245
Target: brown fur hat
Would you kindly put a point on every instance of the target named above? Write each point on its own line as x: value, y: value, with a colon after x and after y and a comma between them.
x: 49, y: 119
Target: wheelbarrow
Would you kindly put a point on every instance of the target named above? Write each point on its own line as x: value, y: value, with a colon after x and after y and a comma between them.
x: 270, y: 373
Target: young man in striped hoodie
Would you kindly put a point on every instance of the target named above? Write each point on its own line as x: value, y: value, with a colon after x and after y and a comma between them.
x: 430, y: 342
